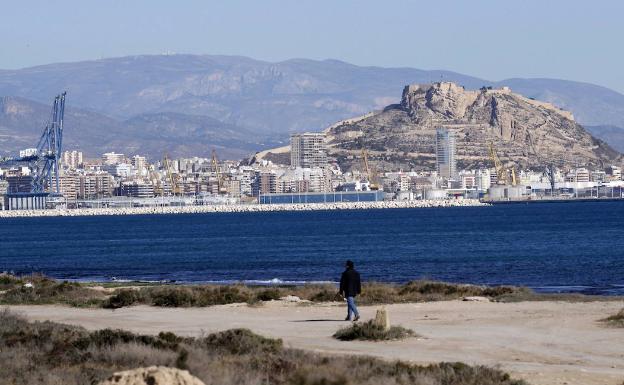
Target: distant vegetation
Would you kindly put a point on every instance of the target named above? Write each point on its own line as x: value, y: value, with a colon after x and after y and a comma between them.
x: 39, y: 290
x: 47, y: 353
x: 370, y: 331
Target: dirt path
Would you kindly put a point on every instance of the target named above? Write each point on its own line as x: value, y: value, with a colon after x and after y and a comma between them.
x: 546, y: 343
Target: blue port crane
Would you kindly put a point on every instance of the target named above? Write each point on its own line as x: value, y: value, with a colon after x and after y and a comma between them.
x: 44, y: 163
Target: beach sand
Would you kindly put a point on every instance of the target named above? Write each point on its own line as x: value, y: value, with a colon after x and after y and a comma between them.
x: 546, y: 343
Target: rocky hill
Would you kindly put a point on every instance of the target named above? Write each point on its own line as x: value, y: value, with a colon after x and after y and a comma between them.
x: 527, y: 132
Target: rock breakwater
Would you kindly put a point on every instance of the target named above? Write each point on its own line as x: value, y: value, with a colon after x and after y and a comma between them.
x: 242, y: 208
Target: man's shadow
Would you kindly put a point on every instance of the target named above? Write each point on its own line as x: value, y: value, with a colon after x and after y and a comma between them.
x: 319, y: 320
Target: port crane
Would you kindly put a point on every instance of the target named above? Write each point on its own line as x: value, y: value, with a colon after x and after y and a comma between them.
x: 215, y: 166
x: 369, y: 173
x: 172, y: 178
x: 502, y: 173
x: 44, y: 161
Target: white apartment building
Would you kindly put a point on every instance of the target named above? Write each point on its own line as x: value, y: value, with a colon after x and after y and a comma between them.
x: 308, y: 150
x: 140, y: 165
x: 111, y: 158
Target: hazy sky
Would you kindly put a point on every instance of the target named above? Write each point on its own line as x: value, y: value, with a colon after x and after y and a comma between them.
x: 491, y: 39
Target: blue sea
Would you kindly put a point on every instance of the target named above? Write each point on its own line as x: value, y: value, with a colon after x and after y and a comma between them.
x: 553, y: 247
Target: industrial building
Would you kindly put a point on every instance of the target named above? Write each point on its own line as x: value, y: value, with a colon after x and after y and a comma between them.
x: 330, y: 197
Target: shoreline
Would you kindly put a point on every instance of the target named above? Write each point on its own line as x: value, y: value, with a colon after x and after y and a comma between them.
x: 241, y: 208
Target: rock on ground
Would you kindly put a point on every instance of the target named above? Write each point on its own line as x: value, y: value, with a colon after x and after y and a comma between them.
x: 153, y: 375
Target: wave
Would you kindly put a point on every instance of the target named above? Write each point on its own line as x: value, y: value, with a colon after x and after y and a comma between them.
x: 258, y: 282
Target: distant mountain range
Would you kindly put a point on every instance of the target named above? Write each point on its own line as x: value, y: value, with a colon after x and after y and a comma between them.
x: 188, y: 104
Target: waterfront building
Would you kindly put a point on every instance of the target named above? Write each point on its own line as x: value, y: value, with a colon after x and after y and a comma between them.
x: 446, y: 153
x: 94, y: 185
x: 582, y: 175
x: 19, y: 183
x: 69, y: 183
x: 4, y: 188
x: 264, y: 182
x: 468, y: 180
x: 323, y: 197
x: 308, y: 150
x: 137, y: 190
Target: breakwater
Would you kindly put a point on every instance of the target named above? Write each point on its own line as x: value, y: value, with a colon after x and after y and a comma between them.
x: 239, y: 208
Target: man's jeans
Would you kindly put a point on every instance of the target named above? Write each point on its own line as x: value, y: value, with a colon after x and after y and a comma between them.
x: 351, y: 308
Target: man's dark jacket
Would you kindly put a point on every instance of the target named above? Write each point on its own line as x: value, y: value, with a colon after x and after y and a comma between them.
x: 350, y: 283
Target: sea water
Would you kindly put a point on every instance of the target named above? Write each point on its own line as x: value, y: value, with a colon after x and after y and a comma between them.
x: 557, y: 247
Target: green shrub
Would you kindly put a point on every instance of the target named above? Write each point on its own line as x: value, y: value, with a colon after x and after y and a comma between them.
x: 370, y: 331
x: 8, y: 281
x: 222, y: 295
x: 45, y: 291
x: 122, y: 298
x: 269, y: 295
x: 242, y: 341
x: 324, y: 295
x: 173, y: 297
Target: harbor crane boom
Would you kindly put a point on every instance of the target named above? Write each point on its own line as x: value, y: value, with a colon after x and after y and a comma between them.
x: 44, y: 161
x: 369, y: 173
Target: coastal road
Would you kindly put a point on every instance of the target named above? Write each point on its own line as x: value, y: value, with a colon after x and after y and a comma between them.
x: 546, y: 343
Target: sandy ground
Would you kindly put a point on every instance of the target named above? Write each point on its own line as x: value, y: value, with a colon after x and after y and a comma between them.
x: 546, y: 343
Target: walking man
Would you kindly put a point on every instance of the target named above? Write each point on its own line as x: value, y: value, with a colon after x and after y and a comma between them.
x: 350, y: 287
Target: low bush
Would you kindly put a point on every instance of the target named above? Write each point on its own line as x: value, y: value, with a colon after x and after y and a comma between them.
x: 123, y: 298
x: 271, y: 294
x: 46, y: 353
x: 242, y: 341
x: 8, y: 281
x: 616, y: 320
x: 47, y: 291
x: 370, y: 331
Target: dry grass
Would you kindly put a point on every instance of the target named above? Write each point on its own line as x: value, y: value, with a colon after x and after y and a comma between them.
x: 616, y: 320
x: 46, y: 353
x: 369, y: 331
x: 47, y: 291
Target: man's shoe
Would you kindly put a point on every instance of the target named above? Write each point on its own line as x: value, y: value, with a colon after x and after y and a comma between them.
x: 357, y: 318
x: 347, y: 319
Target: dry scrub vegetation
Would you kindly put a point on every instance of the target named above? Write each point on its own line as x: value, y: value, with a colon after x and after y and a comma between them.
x: 616, y: 320
x: 46, y: 353
x: 48, y: 291
x: 370, y: 331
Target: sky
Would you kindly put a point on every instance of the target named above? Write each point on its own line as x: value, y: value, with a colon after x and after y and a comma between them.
x: 490, y: 39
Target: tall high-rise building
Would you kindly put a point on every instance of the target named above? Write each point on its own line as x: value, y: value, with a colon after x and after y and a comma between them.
x: 72, y: 159
x: 308, y: 150
x: 445, y: 153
